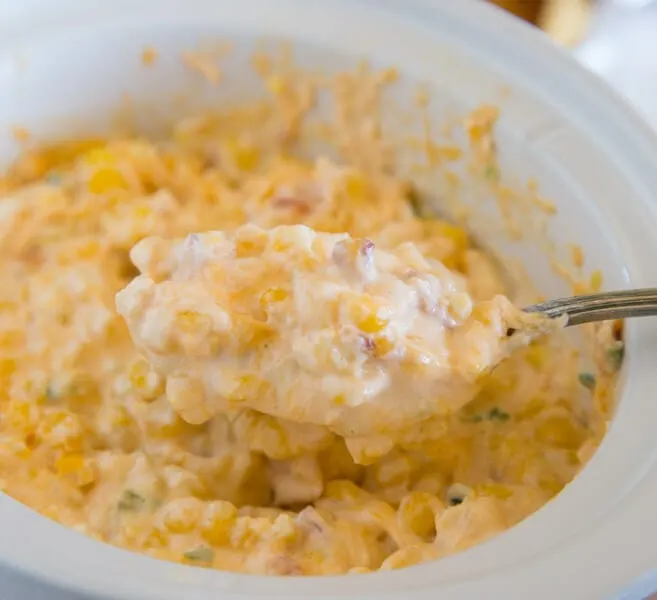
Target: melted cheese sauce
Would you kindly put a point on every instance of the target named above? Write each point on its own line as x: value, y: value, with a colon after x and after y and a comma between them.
x: 89, y: 438
x: 321, y: 330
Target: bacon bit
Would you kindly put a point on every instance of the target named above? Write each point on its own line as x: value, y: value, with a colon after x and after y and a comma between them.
x: 367, y: 248
x: 31, y: 440
x: 301, y: 206
x: 311, y: 521
x: 192, y: 241
x: 617, y: 330
x: 367, y: 343
x: 32, y: 255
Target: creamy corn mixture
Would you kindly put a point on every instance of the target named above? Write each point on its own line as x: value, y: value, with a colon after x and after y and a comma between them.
x: 133, y: 454
x: 320, y: 330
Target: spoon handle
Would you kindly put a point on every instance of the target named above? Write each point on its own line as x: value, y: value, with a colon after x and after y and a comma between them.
x: 600, y: 307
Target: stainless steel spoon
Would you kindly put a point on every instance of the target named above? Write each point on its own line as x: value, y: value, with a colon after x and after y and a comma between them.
x: 600, y: 307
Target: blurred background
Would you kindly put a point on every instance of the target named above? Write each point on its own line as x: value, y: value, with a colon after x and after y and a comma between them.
x: 615, y: 38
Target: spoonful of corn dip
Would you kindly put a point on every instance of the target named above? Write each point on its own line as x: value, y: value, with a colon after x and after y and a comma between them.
x: 319, y: 330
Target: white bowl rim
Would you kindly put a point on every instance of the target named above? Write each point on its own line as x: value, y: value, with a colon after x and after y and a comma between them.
x: 597, y: 562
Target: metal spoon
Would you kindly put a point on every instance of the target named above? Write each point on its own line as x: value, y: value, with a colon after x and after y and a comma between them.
x: 600, y: 307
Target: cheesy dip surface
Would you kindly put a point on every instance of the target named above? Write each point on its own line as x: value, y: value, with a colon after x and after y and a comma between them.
x: 320, y: 330
x: 141, y: 456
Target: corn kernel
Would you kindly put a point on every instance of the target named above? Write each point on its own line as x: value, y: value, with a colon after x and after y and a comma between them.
x: 433, y: 483
x: 7, y: 367
x: 11, y: 340
x: 496, y: 490
x: 457, y: 235
x: 536, y: 355
x: 272, y: 296
x: 155, y: 539
x: 275, y: 84
x: 250, y: 243
x: 559, y: 432
x: 245, y: 156
x: 252, y: 334
x: 89, y: 249
x: 21, y: 415
x: 408, y: 556
x: 142, y: 212
x: 74, y: 466
x: 61, y: 429
x: 596, y: 280
x: 248, y: 248
x: 68, y: 464
x: 342, y: 489
x: 193, y: 322
x: 366, y: 318
x: 418, y: 511
x: 11, y: 446
x: 248, y: 531
x: 460, y: 306
x: 148, y: 384
x: 100, y: 156
x: 356, y: 186
x: 249, y: 386
x: 120, y: 417
x: 38, y: 163
x: 477, y: 132
x: 282, y: 245
x: 383, y: 346
x: 284, y: 528
x: 359, y: 571
x: 182, y: 515
x: 105, y: 180
x: 175, y: 429
x: 551, y: 485
x: 532, y: 408
x: 218, y: 521
x: 481, y: 313
x: 393, y: 470
x: 577, y: 255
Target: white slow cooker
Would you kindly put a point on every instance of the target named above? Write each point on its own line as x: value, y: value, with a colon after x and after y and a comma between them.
x: 66, y: 65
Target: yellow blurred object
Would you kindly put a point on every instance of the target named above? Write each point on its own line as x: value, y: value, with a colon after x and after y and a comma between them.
x: 525, y: 9
x: 565, y: 21
x: 104, y: 180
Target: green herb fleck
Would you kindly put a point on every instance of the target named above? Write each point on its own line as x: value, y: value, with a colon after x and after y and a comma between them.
x: 457, y: 493
x: 587, y: 380
x: 472, y: 418
x: 200, y: 554
x: 615, y: 354
x: 492, y: 173
x: 51, y: 394
x: 418, y: 206
x: 233, y: 417
x: 497, y: 414
x: 131, y: 500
